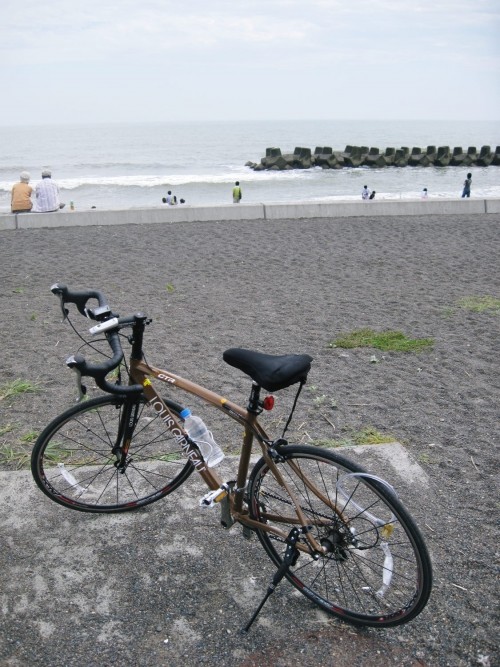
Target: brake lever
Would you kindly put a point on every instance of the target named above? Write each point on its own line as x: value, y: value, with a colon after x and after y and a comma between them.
x: 81, y: 388
x: 64, y: 311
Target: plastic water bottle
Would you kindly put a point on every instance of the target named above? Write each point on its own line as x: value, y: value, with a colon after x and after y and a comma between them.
x: 198, y: 432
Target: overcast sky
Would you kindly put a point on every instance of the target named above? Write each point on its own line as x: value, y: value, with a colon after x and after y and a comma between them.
x: 157, y: 60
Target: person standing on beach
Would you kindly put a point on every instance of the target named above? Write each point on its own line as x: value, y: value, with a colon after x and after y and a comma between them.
x: 372, y: 194
x: 47, y: 194
x: 169, y: 198
x: 424, y: 194
x: 236, y: 193
x: 365, y: 193
x: 467, y: 184
x: 20, y: 201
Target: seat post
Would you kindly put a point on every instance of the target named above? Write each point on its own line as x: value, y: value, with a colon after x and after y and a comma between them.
x: 254, y: 403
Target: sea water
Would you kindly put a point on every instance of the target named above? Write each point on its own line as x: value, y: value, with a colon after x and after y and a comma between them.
x: 134, y: 165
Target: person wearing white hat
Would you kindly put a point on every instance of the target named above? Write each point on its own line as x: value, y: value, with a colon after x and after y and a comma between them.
x: 47, y: 194
x: 20, y: 201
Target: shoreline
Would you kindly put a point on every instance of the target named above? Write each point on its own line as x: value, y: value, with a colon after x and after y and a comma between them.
x: 257, y: 211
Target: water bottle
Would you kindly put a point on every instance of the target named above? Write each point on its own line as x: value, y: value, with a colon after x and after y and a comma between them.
x: 198, y: 432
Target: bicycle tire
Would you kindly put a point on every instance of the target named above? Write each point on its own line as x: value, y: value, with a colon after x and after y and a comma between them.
x: 376, y: 571
x: 73, y: 464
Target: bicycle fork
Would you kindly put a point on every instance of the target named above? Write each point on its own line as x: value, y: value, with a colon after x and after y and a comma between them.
x: 126, y: 430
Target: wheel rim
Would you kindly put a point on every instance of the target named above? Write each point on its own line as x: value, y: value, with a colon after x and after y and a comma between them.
x: 79, y: 465
x: 372, y: 571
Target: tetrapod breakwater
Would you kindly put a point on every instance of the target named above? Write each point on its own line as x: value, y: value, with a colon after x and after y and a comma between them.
x: 364, y: 156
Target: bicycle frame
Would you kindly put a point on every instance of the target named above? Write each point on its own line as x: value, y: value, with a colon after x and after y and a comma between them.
x: 366, y: 561
x: 140, y: 372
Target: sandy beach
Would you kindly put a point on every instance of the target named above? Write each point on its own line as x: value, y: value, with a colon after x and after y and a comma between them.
x: 286, y: 286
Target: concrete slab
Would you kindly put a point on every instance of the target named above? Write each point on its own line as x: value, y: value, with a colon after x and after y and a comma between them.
x: 165, y: 585
x: 391, y: 461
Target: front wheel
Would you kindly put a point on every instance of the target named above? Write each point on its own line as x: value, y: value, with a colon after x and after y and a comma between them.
x: 374, y: 569
x: 82, y: 462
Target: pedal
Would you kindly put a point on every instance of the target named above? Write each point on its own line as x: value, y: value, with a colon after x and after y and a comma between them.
x: 213, y: 497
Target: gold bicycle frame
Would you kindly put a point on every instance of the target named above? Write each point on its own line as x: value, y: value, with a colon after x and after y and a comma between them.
x: 140, y: 372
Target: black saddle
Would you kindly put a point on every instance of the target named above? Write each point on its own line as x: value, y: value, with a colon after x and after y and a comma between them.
x: 272, y: 372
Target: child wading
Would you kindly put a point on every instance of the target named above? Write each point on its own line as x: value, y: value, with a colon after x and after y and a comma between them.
x: 236, y: 193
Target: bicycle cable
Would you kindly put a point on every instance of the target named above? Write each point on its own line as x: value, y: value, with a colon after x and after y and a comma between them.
x: 302, y: 383
x: 87, y: 343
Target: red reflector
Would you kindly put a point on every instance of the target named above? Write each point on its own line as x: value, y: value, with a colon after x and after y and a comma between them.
x: 268, y: 403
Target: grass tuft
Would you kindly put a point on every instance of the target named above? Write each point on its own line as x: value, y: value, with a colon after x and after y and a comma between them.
x: 480, y: 304
x: 6, y: 429
x: 18, y: 387
x: 31, y: 436
x: 388, y: 341
x: 14, y: 459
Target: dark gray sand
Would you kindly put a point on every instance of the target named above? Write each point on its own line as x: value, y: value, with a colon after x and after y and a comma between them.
x: 285, y: 286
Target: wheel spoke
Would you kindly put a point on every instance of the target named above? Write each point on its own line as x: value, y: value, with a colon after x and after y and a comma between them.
x: 74, y: 460
x: 374, y: 568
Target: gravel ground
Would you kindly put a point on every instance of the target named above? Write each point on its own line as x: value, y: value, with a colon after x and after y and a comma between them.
x: 284, y: 286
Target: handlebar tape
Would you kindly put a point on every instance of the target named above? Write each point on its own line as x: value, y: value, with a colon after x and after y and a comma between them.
x: 79, y: 298
x: 99, y: 371
x: 78, y: 362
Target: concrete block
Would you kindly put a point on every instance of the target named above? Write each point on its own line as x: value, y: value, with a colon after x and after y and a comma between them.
x: 271, y: 211
x: 138, y: 216
x: 485, y: 157
x: 57, y: 219
x: 492, y: 205
x: 273, y: 152
x: 381, y: 207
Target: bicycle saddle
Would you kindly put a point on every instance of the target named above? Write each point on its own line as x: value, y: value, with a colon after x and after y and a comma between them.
x: 272, y: 372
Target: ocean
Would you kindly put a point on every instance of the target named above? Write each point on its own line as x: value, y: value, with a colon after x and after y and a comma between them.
x: 114, y: 166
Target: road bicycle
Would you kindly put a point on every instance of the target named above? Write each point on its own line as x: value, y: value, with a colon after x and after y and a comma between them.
x: 337, y: 533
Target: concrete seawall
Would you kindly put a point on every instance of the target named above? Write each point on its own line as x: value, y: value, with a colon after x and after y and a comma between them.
x: 271, y: 211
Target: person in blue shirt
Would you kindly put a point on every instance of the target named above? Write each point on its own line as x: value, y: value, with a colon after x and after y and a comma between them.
x: 467, y: 184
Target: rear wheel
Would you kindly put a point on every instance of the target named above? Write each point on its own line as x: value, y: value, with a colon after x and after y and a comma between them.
x: 79, y: 459
x: 374, y: 569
